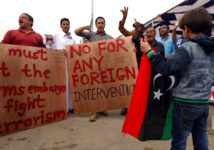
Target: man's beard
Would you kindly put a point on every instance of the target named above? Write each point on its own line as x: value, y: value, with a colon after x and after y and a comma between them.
x: 165, y: 33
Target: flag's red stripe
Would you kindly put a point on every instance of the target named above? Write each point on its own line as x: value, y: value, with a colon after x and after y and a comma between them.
x: 137, y: 108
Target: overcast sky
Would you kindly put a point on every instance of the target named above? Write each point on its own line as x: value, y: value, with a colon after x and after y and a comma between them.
x: 47, y: 13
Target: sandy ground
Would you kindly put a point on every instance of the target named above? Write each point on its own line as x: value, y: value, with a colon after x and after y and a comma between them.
x: 77, y: 133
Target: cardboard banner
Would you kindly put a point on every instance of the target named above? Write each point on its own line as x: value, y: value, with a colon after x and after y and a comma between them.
x: 102, y: 74
x: 32, y: 87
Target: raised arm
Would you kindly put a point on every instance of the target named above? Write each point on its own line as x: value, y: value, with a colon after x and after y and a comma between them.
x: 122, y: 23
x: 137, y: 24
x: 174, y: 37
x: 80, y: 29
x: 125, y: 13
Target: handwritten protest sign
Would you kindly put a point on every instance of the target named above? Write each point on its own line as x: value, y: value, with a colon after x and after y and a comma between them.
x: 102, y: 74
x: 32, y: 87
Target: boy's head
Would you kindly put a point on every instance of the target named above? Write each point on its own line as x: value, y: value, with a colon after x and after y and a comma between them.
x: 197, y: 20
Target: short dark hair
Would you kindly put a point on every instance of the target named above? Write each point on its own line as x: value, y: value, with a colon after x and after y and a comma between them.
x: 30, y: 18
x: 85, y: 38
x: 64, y: 19
x: 142, y: 26
x: 165, y: 25
x: 198, y: 20
x: 99, y: 18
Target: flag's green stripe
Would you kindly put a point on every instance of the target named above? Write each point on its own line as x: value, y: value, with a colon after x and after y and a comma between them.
x: 168, y: 127
x: 189, y: 101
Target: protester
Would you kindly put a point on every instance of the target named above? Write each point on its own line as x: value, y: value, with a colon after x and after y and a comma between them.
x: 59, y: 41
x: 166, y: 40
x: 25, y: 35
x: 100, y: 34
x: 150, y: 34
x: 178, y: 41
x: 192, y: 64
x: 125, y: 32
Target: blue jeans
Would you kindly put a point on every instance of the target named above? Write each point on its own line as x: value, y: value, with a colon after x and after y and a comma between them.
x: 187, y: 118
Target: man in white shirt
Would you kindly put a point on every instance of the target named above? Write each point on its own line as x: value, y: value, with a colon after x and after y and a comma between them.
x: 59, y: 41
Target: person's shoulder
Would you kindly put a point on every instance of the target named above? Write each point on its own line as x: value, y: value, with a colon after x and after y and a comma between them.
x: 187, y: 45
x: 169, y: 40
x: 13, y: 30
x: 158, y: 38
x: 169, y: 37
x: 159, y: 43
x: 109, y: 36
x: 180, y: 37
x: 58, y: 34
x: 36, y: 34
x: 71, y: 35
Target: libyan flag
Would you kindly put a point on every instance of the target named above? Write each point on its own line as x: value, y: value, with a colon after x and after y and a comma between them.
x: 149, y: 115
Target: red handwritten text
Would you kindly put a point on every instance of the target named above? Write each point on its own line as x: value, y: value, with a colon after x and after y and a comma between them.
x: 104, y: 76
x: 42, y: 118
x: 16, y: 106
x: 84, y: 64
x: 28, y: 54
x: 110, y: 47
x: 3, y: 70
x: 35, y: 72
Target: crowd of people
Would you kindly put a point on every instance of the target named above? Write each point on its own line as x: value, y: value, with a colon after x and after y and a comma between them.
x: 189, y: 57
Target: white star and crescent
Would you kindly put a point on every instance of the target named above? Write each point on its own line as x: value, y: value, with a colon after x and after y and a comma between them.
x: 158, y: 94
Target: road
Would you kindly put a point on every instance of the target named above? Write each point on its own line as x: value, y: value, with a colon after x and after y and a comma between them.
x: 77, y: 133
